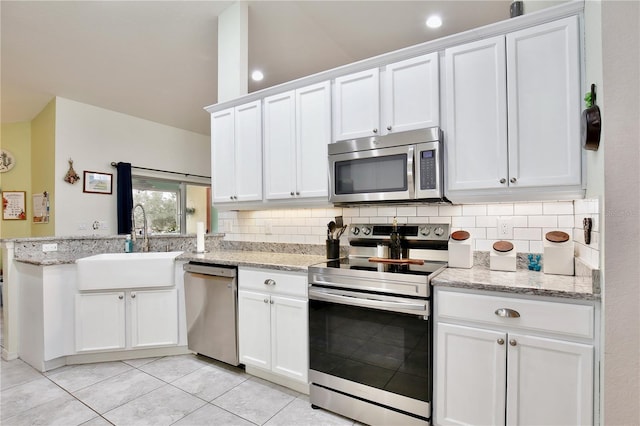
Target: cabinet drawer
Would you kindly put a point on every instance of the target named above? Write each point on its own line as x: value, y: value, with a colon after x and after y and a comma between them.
x: 290, y: 283
x: 551, y: 317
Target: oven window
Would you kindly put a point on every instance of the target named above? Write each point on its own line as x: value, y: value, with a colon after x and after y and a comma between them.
x: 384, y: 350
x: 387, y: 173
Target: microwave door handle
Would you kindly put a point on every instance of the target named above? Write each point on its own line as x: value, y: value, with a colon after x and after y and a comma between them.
x: 410, y: 172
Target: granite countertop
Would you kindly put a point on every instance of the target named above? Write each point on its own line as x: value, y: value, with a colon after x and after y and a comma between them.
x: 257, y: 259
x: 523, y: 281
x: 51, y: 258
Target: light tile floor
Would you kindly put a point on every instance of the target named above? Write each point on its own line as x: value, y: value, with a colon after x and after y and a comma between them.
x: 185, y: 390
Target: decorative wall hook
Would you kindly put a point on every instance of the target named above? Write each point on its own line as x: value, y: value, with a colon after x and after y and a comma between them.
x: 71, y: 176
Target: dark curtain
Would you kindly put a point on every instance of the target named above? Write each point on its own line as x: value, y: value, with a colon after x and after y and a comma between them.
x: 125, y: 198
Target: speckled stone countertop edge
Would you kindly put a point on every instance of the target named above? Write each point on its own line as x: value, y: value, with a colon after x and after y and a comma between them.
x: 256, y: 259
x: 522, y: 282
x: 268, y: 260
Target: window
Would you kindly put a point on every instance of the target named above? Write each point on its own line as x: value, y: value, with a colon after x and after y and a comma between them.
x: 171, y: 207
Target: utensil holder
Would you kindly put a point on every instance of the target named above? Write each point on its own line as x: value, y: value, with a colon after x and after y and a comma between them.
x: 333, y: 249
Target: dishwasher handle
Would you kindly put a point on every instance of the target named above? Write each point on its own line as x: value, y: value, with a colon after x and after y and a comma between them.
x: 213, y: 270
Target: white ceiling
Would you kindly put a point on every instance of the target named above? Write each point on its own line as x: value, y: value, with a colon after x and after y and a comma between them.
x: 157, y: 60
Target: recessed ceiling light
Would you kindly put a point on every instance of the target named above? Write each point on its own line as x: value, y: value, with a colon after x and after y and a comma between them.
x: 434, y: 21
x: 257, y: 75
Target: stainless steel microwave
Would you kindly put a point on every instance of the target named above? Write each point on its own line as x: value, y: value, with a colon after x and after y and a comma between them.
x: 405, y: 166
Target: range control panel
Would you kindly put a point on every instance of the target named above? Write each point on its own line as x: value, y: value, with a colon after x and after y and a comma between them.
x: 420, y: 232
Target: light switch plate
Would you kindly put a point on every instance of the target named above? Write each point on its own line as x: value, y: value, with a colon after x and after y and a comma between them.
x: 50, y: 247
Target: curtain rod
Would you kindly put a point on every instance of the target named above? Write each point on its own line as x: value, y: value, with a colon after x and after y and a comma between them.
x: 114, y: 164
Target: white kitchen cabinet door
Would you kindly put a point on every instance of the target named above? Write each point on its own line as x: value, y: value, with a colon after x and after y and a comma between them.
x: 154, y: 318
x: 248, y: 152
x: 223, y: 156
x: 254, y: 329
x: 313, y: 134
x: 100, y: 321
x: 550, y: 382
x: 411, y: 94
x: 476, y: 105
x: 356, y: 105
x: 470, y: 376
x: 280, y: 146
x: 544, y: 105
x: 290, y: 337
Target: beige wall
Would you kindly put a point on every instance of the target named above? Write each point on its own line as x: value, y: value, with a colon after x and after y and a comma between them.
x: 621, y: 127
x: 16, y: 138
x: 43, y: 144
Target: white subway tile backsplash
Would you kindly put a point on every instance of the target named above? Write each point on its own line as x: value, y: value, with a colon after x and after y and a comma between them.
x: 387, y: 211
x: 543, y: 221
x: 463, y: 222
x: 527, y: 234
x: 527, y: 209
x: 536, y: 247
x: 368, y: 211
x: 487, y: 221
x: 503, y: 209
x: 474, y: 209
x: 406, y: 211
x: 427, y: 211
x: 531, y: 221
x: 558, y: 207
x: 453, y: 210
x: 520, y: 221
x: 565, y: 221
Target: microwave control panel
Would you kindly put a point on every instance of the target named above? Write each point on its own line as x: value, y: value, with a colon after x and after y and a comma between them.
x: 428, y: 169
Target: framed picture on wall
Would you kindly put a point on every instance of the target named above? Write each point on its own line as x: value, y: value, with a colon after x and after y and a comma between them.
x: 14, y: 205
x: 98, y: 183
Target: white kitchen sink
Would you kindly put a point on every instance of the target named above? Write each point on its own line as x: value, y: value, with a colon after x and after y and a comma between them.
x: 126, y: 270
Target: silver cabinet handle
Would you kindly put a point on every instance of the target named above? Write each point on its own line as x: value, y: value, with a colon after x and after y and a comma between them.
x: 291, y: 193
x: 513, y: 180
x: 512, y: 342
x: 507, y: 313
x: 133, y: 295
x: 120, y: 297
x: 269, y: 281
x: 503, y: 180
x: 271, y: 302
x: 231, y: 197
x: 297, y: 193
x: 266, y: 300
x: 388, y: 127
x: 375, y: 130
x: 501, y: 341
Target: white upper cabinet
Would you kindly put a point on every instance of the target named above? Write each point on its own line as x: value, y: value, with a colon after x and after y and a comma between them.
x: 476, y: 105
x: 280, y: 145
x: 404, y: 96
x: 513, y: 113
x: 236, y: 153
x: 297, y: 129
x: 410, y: 94
x: 356, y: 105
x: 544, y: 103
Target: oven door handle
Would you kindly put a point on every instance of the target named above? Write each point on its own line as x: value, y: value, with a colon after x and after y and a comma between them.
x: 348, y: 298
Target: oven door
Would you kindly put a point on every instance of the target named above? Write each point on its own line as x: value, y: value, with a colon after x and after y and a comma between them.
x: 372, y: 175
x: 371, y: 347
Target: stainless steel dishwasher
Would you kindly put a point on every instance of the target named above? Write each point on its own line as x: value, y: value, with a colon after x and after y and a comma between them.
x: 211, y: 296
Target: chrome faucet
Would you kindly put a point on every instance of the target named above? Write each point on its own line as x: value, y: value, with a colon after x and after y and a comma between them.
x: 145, y: 246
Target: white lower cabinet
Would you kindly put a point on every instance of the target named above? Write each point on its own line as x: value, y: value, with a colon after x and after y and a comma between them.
x: 273, y: 322
x: 511, y: 370
x: 102, y: 318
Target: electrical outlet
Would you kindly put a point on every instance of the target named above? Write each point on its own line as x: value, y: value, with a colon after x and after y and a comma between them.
x: 505, y: 228
x: 50, y: 247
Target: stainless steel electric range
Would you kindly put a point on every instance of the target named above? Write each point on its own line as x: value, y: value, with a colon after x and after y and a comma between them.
x: 370, y: 333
